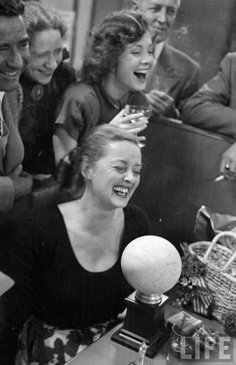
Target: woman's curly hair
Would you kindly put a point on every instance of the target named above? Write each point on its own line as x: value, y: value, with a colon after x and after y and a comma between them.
x: 39, y: 17
x: 108, y: 41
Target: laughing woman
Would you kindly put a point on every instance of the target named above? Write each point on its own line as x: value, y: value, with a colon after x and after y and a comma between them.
x: 118, y: 57
x: 43, y: 81
x: 66, y: 262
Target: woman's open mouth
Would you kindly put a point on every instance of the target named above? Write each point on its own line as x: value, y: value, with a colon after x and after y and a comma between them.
x: 10, y: 75
x: 141, y: 75
x: 121, y: 191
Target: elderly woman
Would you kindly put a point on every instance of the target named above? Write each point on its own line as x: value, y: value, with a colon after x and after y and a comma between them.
x: 118, y: 58
x: 44, y: 80
x: 65, y: 261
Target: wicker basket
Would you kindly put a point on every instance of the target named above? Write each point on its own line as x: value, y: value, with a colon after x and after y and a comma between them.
x: 220, y: 276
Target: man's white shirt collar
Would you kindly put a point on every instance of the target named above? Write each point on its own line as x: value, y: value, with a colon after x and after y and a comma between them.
x: 1, y: 114
x: 1, y: 96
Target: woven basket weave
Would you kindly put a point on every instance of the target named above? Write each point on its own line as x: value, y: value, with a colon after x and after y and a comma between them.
x: 220, y: 276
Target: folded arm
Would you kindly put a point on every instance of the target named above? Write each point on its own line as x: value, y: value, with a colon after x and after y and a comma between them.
x: 210, y: 108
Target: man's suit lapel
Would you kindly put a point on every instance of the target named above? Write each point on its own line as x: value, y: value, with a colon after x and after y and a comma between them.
x: 163, y: 75
x: 165, y: 62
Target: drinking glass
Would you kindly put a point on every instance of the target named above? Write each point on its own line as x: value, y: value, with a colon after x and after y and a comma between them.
x: 181, y: 346
x: 133, y: 109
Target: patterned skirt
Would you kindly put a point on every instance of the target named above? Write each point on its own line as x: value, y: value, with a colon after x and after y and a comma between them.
x: 42, y: 344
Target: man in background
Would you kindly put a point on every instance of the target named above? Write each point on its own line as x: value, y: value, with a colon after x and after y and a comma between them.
x: 213, y: 108
x: 14, y: 54
x: 14, y: 183
x: 175, y: 76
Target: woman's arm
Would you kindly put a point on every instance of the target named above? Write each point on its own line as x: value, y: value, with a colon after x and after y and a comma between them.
x: 19, y: 260
x: 14, y: 311
x: 79, y: 111
x: 62, y: 144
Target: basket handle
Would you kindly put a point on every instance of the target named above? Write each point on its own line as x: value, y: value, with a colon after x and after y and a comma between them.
x: 215, y: 239
x: 232, y: 258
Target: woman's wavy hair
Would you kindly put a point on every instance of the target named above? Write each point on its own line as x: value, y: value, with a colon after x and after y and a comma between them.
x: 91, y: 149
x: 108, y: 41
x: 39, y: 17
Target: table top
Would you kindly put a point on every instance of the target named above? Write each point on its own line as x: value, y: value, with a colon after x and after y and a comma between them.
x: 107, y: 352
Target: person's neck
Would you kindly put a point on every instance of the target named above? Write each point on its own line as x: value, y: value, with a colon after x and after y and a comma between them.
x: 113, y: 88
x: 95, y: 216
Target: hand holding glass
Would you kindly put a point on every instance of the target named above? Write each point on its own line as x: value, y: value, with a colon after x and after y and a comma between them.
x: 135, y: 109
x: 145, y: 112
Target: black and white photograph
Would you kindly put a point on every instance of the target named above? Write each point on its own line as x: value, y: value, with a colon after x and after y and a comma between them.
x: 117, y: 182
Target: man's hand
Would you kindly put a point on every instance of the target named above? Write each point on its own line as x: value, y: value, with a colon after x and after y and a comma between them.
x: 162, y: 104
x: 5, y: 283
x: 16, y: 172
x: 22, y: 181
x: 228, y: 163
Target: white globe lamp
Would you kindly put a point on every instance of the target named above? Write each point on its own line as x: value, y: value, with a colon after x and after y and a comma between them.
x: 152, y: 266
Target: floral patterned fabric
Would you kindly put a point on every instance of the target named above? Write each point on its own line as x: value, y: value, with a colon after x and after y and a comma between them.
x: 42, y: 344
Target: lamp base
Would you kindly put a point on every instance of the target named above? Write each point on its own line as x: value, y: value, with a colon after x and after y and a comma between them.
x: 133, y: 342
x: 143, y: 323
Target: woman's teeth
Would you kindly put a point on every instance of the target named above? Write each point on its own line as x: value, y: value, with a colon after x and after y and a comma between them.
x: 140, y: 75
x: 10, y: 74
x: 120, y: 190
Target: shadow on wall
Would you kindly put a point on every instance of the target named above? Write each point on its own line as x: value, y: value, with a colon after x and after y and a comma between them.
x: 103, y: 7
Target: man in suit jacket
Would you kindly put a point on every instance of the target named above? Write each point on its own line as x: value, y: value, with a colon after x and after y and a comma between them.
x: 14, y: 54
x: 213, y: 107
x: 175, y: 76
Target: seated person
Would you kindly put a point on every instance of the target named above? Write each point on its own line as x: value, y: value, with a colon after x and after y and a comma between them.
x: 175, y: 76
x: 43, y: 81
x: 213, y: 108
x: 14, y: 55
x: 118, y: 57
x: 65, y: 261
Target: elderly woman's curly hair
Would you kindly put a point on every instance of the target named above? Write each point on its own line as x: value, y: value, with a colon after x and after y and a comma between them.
x: 108, y: 41
x: 40, y: 16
